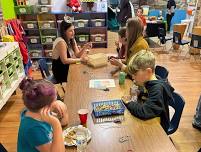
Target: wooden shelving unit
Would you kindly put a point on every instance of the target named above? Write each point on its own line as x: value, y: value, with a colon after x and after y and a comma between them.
x: 11, y: 70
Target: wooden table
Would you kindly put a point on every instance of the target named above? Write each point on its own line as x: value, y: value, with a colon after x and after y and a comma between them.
x: 145, y: 136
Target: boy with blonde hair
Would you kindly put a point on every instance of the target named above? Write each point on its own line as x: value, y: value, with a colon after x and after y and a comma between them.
x: 158, y: 92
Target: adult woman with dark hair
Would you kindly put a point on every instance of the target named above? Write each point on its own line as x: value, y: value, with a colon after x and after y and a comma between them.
x: 135, y: 42
x: 171, y: 5
x: 66, y: 51
x: 40, y: 130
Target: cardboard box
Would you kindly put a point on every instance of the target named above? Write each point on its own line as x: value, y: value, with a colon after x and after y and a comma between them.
x: 98, y: 60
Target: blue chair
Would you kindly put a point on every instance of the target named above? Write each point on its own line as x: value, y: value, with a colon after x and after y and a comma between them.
x: 2, y: 148
x: 162, y: 72
x: 178, y: 105
x: 178, y: 40
x: 45, y: 71
x: 46, y: 75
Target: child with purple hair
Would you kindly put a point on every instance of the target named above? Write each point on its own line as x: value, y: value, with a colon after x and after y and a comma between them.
x: 40, y: 130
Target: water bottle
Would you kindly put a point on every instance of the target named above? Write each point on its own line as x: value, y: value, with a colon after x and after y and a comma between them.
x: 81, y: 139
x: 122, y: 77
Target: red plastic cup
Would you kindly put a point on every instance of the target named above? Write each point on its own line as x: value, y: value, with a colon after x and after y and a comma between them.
x: 83, y: 115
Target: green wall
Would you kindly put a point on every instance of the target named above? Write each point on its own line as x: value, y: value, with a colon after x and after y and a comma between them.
x: 8, y: 9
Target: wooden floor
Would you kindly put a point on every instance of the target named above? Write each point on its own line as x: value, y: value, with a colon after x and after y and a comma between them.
x: 185, y: 77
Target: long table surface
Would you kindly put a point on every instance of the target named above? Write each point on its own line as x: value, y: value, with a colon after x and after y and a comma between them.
x: 144, y: 136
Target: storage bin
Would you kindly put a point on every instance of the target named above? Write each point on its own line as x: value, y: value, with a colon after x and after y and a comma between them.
x: 24, y: 10
x: 48, y: 53
x: 32, y: 32
x: 13, y: 78
x: 48, y: 39
x: 81, y: 23
x: 19, y: 69
x: 44, y: 9
x: 18, y: 62
x: 2, y: 66
x: 49, y: 32
x: 98, y: 38
x: 46, y: 24
x: 30, y: 24
x: 44, y: 2
x: 35, y: 53
x: 98, y: 23
x: 1, y: 76
x: 11, y: 70
x: 33, y: 40
x: 4, y: 87
x: 108, y: 108
x: 16, y: 54
x: 82, y: 38
x: 8, y: 60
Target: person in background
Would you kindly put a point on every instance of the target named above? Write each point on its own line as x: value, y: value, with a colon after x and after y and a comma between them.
x: 40, y: 130
x: 159, y: 92
x: 66, y: 51
x: 160, y: 17
x: 121, y: 47
x: 121, y: 43
x: 171, y: 5
x: 135, y: 42
x: 140, y: 15
x: 126, y: 12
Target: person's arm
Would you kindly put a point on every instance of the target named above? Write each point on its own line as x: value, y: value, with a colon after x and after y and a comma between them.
x: 57, y: 143
x: 151, y: 108
x: 80, y: 52
x: 61, y: 46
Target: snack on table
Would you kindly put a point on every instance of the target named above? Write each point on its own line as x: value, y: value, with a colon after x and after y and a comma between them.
x: 108, y: 107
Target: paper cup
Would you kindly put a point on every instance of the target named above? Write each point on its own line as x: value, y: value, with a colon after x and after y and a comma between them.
x: 83, y: 115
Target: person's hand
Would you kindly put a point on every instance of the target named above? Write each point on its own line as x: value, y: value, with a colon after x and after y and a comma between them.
x: 84, y: 59
x: 116, y: 62
x: 87, y: 46
x: 126, y: 99
x: 58, y: 107
x: 117, y: 44
x: 46, y: 116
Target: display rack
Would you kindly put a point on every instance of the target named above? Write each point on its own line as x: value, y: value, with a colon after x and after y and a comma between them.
x: 11, y: 70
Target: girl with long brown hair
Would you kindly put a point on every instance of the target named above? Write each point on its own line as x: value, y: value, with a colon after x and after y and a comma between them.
x: 135, y: 42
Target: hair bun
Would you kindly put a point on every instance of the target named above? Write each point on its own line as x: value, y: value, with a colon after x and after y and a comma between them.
x: 25, y: 83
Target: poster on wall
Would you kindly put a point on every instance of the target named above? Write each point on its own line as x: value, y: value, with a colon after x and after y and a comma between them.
x: 59, y: 6
x: 101, y: 6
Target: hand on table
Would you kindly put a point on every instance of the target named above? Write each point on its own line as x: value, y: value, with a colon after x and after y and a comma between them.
x: 84, y: 59
x: 116, y: 62
x: 126, y: 99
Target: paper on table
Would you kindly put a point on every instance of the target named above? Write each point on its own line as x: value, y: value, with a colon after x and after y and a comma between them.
x: 102, y: 83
